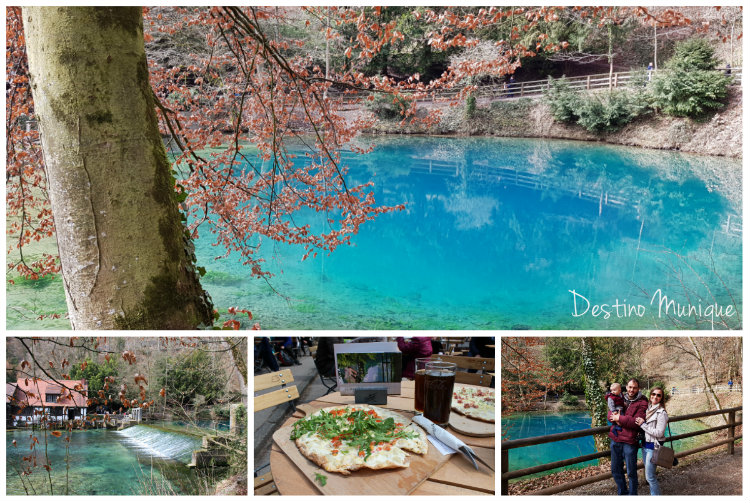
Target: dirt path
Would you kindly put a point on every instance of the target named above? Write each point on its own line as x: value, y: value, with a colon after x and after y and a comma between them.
x: 714, y: 474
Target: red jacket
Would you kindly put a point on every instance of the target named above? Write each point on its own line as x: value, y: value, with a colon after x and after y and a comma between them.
x: 629, y: 433
x: 419, y: 347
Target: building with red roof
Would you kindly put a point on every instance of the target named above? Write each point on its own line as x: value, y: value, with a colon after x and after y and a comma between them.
x: 28, y: 400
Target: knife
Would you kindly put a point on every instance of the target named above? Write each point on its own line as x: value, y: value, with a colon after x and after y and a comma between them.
x: 448, y: 439
x: 472, y: 456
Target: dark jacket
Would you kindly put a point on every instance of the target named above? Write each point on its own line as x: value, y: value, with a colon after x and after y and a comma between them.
x: 617, y: 399
x: 635, y: 409
x: 324, y: 360
x: 418, y: 347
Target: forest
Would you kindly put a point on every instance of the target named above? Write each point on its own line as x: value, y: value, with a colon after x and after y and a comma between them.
x: 535, y: 369
x: 202, y: 105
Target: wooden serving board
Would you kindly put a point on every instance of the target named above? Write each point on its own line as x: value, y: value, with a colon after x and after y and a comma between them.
x: 399, y: 481
x: 471, y: 427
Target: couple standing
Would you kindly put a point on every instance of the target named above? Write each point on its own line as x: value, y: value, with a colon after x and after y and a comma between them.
x: 637, y: 413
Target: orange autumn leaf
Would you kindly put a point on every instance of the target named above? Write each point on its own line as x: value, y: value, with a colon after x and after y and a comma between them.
x: 162, y: 392
x: 56, y: 433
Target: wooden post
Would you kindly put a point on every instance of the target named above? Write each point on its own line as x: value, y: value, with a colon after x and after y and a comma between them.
x: 503, y: 471
x: 616, y: 75
x: 521, y: 88
x: 588, y: 82
x: 730, y: 445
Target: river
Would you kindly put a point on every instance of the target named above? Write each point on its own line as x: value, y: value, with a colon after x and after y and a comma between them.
x: 134, y: 461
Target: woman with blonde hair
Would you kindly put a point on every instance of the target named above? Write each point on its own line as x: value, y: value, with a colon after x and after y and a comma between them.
x: 654, y: 426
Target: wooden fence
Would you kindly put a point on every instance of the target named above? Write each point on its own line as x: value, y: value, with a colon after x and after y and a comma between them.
x: 537, y: 88
x: 524, y: 442
x: 722, y: 388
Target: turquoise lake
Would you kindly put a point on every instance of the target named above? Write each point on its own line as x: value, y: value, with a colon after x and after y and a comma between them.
x: 533, y: 424
x: 137, y: 460
x: 497, y: 234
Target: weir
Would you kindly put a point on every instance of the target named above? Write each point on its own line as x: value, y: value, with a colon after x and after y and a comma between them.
x: 159, y: 443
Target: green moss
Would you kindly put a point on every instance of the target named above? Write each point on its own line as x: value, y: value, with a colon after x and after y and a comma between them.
x: 170, y: 236
x: 62, y: 109
x: 125, y: 18
x: 67, y: 56
x: 161, y: 297
x: 99, y: 117
x: 141, y: 74
x: 163, y: 189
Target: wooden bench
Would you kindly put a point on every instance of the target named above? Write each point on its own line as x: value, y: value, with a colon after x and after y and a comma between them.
x: 264, y: 485
x: 265, y: 381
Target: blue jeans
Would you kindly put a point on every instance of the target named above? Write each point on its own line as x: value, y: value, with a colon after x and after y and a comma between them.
x: 651, y: 472
x: 629, y: 454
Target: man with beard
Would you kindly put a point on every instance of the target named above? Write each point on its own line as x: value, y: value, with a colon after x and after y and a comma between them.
x: 624, y: 446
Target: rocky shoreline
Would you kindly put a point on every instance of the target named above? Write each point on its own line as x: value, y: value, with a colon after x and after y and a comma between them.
x: 721, y: 135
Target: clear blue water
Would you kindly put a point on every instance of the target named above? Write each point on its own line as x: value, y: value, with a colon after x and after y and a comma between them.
x: 498, y: 231
x: 533, y: 424
x: 104, y: 462
x: 496, y: 234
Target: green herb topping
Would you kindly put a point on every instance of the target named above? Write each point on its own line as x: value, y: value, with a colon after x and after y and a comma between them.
x: 364, y: 430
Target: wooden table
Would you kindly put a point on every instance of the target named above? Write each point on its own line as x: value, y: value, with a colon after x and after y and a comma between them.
x: 457, y: 476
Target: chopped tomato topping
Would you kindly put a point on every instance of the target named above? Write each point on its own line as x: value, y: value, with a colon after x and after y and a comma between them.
x: 388, y: 447
x: 362, y: 453
x: 334, y: 452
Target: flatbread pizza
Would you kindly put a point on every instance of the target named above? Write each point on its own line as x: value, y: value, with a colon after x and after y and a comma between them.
x: 344, y: 439
x: 476, y: 403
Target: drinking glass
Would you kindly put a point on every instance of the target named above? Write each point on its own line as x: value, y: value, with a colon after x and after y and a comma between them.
x: 438, y: 391
x: 419, y: 370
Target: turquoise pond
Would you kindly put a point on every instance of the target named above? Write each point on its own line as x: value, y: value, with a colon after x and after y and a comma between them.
x: 498, y: 231
x: 496, y: 234
x: 137, y: 460
x: 533, y: 424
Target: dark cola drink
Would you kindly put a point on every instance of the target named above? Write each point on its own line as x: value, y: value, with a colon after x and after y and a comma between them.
x: 419, y: 390
x: 438, y: 394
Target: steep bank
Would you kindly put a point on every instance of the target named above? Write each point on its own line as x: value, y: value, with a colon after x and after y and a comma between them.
x: 720, y: 136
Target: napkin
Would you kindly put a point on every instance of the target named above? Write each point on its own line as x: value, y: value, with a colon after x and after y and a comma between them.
x: 441, y: 447
x: 438, y: 432
x: 446, y: 438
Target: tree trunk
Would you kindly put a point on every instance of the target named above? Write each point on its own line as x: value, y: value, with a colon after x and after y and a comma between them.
x: 594, y: 395
x: 127, y: 262
x: 704, y: 372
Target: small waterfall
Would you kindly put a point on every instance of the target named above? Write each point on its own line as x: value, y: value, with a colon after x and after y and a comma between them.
x: 160, y: 444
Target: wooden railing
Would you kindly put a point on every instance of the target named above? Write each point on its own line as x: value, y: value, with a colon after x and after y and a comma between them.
x: 723, y: 388
x: 536, y: 88
x: 524, y: 442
